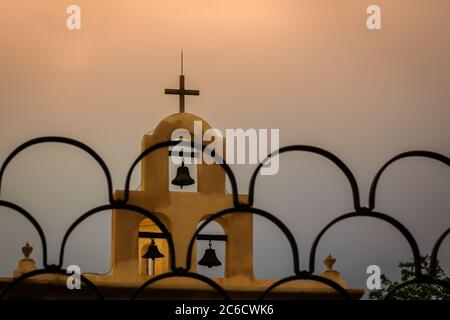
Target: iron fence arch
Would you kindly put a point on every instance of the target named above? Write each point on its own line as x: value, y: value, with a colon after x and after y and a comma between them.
x: 182, y: 273
x: 238, y: 207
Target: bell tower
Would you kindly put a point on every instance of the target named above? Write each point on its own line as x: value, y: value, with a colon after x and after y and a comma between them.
x: 181, y: 195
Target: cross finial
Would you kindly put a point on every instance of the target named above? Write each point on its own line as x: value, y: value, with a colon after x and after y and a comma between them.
x: 181, y: 91
x: 182, y: 61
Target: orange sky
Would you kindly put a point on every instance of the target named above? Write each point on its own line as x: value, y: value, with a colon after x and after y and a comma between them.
x: 308, y: 67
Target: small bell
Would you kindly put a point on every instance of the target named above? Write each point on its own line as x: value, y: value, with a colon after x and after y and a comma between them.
x: 209, y: 259
x: 183, y: 178
x: 153, y: 252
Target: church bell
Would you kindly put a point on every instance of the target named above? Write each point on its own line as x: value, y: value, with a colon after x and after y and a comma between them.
x: 183, y: 178
x: 153, y: 252
x: 209, y: 259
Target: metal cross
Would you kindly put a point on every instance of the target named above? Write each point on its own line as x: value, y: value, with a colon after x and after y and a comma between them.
x: 181, y: 91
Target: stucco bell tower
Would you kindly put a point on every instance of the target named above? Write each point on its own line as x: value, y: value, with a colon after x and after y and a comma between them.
x: 181, y: 210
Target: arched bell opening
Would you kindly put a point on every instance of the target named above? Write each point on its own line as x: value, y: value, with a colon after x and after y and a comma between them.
x: 211, y: 246
x: 153, y: 250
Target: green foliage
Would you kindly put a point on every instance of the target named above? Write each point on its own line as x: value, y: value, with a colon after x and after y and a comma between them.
x: 414, y: 291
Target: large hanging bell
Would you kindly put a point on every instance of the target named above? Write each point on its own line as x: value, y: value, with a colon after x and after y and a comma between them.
x: 153, y: 252
x: 183, y: 178
x: 209, y: 259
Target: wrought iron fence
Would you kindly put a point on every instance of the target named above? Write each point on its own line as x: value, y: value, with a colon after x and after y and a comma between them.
x: 238, y: 207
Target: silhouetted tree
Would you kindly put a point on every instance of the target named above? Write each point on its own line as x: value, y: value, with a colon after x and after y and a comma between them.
x: 413, y: 291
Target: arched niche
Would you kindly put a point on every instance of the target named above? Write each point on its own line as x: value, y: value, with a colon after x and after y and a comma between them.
x: 220, y: 247
x: 148, y: 267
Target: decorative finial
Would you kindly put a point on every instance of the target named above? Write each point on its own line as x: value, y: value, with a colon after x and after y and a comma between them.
x: 182, y: 60
x: 26, y: 250
x: 329, y: 262
x: 26, y: 264
x: 331, y: 273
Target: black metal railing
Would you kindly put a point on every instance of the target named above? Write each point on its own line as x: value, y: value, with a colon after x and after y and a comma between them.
x: 238, y: 207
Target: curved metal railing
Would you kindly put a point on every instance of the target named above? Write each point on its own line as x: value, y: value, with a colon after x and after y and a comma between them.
x: 238, y: 207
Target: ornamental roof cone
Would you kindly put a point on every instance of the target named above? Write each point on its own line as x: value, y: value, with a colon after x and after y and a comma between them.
x: 331, y: 273
x: 26, y: 250
x: 26, y: 264
x: 329, y: 262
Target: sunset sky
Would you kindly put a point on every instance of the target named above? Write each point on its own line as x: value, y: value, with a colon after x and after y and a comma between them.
x: 309, y: 68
